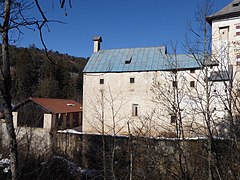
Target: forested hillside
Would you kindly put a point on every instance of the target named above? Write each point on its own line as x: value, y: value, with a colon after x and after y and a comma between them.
x: 36, y: 75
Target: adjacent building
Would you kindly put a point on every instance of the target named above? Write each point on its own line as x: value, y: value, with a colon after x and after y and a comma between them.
x: 49, y: 114
x: 226, y: 50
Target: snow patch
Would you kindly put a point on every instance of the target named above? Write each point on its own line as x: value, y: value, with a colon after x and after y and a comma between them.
x: 5, y: 163
x: 70, y: 131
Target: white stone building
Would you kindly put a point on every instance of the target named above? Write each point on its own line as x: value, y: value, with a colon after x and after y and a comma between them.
x: 134, y: 90
x: 226, y: 50
x: 149, y: 92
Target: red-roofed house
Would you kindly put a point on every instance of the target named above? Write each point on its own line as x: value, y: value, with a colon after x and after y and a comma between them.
x: 50, y: 114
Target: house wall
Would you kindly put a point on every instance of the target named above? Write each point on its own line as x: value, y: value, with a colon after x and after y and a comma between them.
x: 229, y: 52
x: 112, y: 103
x: 226, y: 45
x: 219, y: 37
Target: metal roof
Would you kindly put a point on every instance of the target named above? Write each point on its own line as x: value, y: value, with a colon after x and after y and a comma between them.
x: 231, y: 10
x: 220, y: 76
x: 54, y: 105
x: 138, y: 59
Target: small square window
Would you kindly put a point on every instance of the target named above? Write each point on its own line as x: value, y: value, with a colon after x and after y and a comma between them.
x: 192, y: 83
x: 192, y: 70
x: 101, y: 81
x: 174, y: 84
x: 237, y: 30
x: 132, y: 80
x: 135, y: 110
x: 128, y: 61
x: 173, y: 119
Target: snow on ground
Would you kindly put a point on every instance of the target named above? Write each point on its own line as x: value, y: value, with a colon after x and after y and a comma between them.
x: 70, y: 131
x: 5, y: 164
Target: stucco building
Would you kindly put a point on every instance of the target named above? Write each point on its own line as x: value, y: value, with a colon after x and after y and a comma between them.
x: 226, y: 50
x: 135, y: 90
x: 150, y: 92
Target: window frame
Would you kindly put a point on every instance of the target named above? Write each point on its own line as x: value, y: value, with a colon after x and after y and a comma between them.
x: 192, y: 84
x: 192, y: 71
x: 132, y: 80
x: 173, y: 119
x: 174, y: 84
x: 101, y: 81
x: 237, y: 59
x: 135, y: 110
x: 237, y: 27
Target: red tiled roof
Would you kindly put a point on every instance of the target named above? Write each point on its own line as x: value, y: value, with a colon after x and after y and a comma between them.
x: 58, y: 105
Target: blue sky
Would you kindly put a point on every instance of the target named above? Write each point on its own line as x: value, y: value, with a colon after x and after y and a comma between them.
x: 121, y: 23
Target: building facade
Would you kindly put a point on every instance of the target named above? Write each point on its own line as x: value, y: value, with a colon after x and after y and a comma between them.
x: 142, y: 91
x: 150, y: 92
x: 226, y: 50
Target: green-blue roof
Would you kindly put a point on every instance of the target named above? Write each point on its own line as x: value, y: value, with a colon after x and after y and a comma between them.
x: 138, y: 59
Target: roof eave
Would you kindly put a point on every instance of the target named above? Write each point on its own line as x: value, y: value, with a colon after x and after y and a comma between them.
x: 212, y: 18
x: 169, y: 69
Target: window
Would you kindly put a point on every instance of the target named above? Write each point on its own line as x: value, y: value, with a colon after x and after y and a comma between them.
x: 132, y: 80
x: 174, y: 84
x: 135, y: 110
x: 237, y: 29
x: 238, y: 59
x: 192, y: 70
x: 192, y: 83
x: 174, y: 71
x: 101, y: 81
x: 235, y: 4
x: 173, y: 119
x: 128, y: 61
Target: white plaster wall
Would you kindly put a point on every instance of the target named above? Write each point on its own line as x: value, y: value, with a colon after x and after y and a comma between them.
x: 233, y: 45
x: 234, y: 41
x: 154, y: 114
x: 47, y: 121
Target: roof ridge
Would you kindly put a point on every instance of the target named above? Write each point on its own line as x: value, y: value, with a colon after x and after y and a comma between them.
x: 162, y: 46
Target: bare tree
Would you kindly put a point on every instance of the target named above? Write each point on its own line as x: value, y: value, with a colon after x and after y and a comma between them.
x: 13, y: 18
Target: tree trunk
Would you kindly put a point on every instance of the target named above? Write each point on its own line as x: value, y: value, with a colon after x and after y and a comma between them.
x: 6, y: 92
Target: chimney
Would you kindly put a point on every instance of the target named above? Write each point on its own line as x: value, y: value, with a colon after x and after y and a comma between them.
x: 97, y: 41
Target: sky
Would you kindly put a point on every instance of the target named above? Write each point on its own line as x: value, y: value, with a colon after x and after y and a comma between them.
x: 121, y: 23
